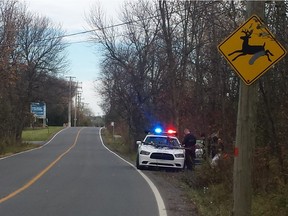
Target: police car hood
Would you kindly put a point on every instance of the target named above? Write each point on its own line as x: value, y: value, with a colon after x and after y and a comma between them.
x: 163, y: 149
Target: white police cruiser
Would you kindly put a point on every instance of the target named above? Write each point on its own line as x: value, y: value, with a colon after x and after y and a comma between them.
x: 160, y: 149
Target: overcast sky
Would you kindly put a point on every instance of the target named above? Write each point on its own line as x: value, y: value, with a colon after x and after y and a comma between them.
x: 84, y: 59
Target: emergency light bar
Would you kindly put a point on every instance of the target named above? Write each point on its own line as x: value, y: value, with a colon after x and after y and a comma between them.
x: 159, y: 130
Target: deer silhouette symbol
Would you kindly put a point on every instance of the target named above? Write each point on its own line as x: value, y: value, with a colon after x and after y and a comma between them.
x: 257, y: 51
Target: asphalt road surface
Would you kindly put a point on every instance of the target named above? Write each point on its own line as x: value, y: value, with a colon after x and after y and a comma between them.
x: 74, y: 175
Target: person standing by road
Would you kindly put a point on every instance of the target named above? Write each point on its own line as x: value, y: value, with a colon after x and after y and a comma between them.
x: 189, y: 142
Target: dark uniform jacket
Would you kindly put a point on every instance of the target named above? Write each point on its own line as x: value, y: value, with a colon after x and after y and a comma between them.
x: 189, y: 141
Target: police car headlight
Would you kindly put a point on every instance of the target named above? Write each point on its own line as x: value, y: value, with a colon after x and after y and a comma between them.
x: 144, y: 152
x: 179, y: 155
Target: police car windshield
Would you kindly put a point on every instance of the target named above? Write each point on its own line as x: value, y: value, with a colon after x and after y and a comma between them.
x: 162, y: 141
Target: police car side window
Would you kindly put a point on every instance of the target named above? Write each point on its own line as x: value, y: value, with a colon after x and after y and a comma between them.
x: 173, y: 142
x: 147, y: 140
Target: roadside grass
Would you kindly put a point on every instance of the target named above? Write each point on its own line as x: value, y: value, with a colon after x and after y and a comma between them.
x: 39, y: 134
x: 213, y: 200
x: 14, y: 149
x: 28, y: 137
x: 268, y: 204
x: 117, y: 144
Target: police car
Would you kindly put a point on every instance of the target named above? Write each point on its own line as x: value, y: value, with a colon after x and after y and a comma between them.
x: 160, y: 149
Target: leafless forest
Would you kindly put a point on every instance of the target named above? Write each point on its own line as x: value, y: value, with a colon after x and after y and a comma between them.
x: 162, y: 66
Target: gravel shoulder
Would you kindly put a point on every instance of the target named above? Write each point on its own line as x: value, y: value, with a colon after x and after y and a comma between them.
x: 174, y: 195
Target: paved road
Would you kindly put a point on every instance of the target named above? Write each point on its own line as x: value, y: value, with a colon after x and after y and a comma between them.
x: 73, y: 175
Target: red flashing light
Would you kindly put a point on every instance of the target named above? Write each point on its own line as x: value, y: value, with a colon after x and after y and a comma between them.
x: 170, y: 131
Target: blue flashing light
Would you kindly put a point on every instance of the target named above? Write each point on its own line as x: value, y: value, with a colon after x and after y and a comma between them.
x: 158, y: 130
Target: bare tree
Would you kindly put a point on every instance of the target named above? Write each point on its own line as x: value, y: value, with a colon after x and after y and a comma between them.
x: 10, y: 12
x: 132, y: 81
x: 32, y: 49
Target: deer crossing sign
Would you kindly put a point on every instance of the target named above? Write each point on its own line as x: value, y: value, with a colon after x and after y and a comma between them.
x: 251, y: 50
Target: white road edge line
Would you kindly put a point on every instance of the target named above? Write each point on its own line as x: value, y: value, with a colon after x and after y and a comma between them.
x: 161, y: 206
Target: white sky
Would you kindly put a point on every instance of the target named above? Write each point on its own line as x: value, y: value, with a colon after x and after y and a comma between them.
x: 84, y: 59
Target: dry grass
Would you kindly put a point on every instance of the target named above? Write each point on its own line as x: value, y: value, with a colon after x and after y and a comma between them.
x: 9, y: 147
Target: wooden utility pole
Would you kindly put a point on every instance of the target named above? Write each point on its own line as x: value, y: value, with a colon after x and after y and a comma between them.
x: 70, y: 100
x: 245, y: 136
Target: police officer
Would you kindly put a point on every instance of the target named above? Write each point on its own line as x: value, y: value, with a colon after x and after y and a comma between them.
x: 189, y: 143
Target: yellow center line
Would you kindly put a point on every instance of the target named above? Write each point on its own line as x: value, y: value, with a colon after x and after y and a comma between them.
x: 40, y: 174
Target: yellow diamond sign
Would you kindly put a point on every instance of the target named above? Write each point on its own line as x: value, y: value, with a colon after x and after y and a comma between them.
x: 251, y: 50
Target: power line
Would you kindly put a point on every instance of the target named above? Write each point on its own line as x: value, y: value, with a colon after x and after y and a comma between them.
x: 104, y: 28
x: 79, y: 33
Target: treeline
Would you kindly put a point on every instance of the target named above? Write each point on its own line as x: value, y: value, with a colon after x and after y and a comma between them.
x: 32, y: 62
x: 162, y: 66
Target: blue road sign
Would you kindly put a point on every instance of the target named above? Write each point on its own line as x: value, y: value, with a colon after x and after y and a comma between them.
x: 38, y: 109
